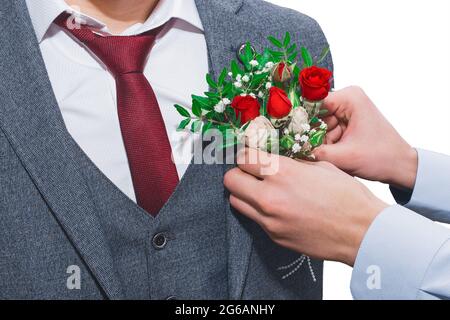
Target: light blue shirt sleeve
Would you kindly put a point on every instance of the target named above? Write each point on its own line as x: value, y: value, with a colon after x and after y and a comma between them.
x: 431, y: 194
x: 405, y: 255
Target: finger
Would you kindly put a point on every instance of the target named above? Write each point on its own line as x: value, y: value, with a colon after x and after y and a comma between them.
x: 331, y: 121
x: 336, y: 103
x: 334, y: 135
x: 333, y: 153
x: 241, y: 184
x: 258, y: 163
x: 246, y: 209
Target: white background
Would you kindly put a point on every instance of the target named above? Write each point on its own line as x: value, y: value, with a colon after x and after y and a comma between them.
x: 399, y: 52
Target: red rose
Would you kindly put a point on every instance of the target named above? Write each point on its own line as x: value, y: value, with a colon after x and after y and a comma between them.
x: 247, y: 106
x: 315, y: 83
x: 278, y: 104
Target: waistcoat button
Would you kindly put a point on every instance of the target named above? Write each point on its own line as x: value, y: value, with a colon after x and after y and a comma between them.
x: 159, y: 241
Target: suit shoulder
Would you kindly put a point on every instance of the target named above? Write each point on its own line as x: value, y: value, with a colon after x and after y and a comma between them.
x: 283, y: 18
x: 274, y: 20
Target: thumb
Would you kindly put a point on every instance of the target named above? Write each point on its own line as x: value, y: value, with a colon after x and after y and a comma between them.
x: 333, y: 153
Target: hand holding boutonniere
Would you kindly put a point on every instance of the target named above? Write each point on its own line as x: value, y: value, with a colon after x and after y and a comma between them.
x: 270, y: 101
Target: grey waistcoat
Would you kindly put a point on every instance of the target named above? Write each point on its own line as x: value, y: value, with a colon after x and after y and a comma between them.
x: 61, y: 218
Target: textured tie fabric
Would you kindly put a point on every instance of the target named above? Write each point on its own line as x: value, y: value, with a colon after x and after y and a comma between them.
x: 144, y: 134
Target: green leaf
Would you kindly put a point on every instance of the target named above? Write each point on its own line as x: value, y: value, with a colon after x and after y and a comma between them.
x: 287, y: 40
x: 196, y: 125
x: 307, y: 58
x: 183, y: 124
x: 235, y: 70
x: 257, y: 78
x: 196, y: 109
x: 222, y: 77
x: 297, y: 71
x: 249, y: 54
x: 276, y: 55
x: 291, y: 49
x: 204, y: 102
x: 287, y: 142
x: 206, y: 127
x: 293, y: 56
x: 275, y: 42
x: 323, y: 55
x: 211, y: 82
x: 212, y: 95
x: 293, y: 96
x: 182, y: 111
x: 317, y: 138
x: 314, y: 120
x: 227, y: 90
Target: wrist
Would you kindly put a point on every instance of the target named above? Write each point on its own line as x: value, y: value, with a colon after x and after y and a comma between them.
x: 359, y: 229
x: 404, y: 169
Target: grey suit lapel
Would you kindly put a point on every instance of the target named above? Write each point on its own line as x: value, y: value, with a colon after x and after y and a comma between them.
x: 225, y: 31
x: 32, y: 122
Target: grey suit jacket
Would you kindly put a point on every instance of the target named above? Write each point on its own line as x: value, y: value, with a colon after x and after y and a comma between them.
x: 50, y: 192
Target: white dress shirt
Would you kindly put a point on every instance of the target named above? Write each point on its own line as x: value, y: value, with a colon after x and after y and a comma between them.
x: 86, y: 91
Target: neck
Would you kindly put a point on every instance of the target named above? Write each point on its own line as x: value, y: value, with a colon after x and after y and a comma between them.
x: 118, y: 15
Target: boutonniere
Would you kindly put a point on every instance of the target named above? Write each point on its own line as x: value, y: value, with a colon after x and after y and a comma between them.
x: 270, y: 100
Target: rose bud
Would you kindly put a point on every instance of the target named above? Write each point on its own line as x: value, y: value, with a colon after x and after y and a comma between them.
x: 299, y: 122
x: 278, y: 104
x: 258, y: 133
x: 246, y: 107
x: 282, y: 72
x: 315, y: 83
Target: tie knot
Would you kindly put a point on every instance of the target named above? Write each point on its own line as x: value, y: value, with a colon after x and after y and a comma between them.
x: 120, y: 54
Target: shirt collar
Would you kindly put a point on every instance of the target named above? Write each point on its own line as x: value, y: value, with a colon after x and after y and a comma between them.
x: 44, y: 12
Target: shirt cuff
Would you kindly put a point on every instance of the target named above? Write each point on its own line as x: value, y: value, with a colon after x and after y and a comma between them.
x: 431, y: 194
x: 395, y: 254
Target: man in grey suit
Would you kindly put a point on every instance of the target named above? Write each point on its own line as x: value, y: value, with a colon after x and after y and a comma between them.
x: 71, y: 227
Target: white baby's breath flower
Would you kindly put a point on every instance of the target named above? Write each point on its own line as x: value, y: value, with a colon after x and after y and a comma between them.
x: 286, y: 132
x: 268, y: 85
x: 304, y: 139
x: 261, y: 94
x: 254, y: 63
x: 252, y: 95
x: 296, y: 148
x: 226, y: 101
x: 269, y: 65
x: 230, y: 74
x: 298, y: 137
x: 323, y: 125
x: 305, y: 127
x: 238, y: 77
x: 220, y: 107
x: 238, y: 84
x: 259, y: 72
x: 313, y: 131
x: 246, y: 78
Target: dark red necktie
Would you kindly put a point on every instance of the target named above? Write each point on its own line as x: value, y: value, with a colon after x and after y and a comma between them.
x: 144, y: 134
